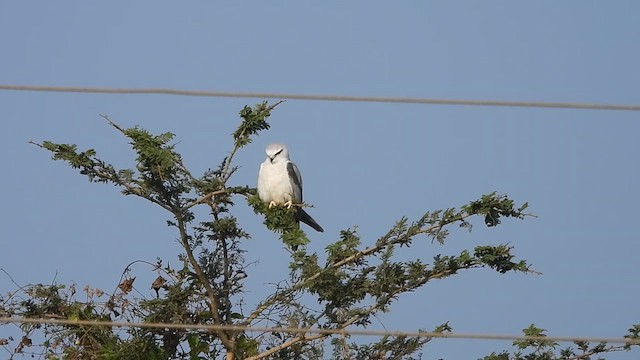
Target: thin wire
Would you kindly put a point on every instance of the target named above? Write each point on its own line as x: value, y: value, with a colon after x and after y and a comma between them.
x: 267, y: 95
x: 319, y: 331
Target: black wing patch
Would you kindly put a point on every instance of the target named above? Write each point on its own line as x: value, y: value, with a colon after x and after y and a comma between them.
x: 293, y: 175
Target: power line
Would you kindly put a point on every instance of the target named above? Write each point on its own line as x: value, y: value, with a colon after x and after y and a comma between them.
x: 318, y: 331
x: 267, y: 95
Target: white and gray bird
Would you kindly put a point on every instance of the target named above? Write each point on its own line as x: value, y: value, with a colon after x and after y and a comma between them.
x: 280, y: 183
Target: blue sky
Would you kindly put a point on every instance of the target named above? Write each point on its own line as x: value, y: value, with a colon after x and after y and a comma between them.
x: 363, y: 164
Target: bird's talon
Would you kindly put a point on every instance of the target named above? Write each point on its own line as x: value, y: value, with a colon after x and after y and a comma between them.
x: 288, y: 204
x: 272, y: 204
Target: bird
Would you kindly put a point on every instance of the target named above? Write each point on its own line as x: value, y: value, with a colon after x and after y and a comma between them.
x: 280, y: 183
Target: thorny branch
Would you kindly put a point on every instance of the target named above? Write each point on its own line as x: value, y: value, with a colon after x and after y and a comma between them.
x: 348, y: 260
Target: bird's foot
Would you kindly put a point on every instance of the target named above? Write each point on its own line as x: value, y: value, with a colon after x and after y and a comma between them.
x: 288, y: 204
x: 272, y: 204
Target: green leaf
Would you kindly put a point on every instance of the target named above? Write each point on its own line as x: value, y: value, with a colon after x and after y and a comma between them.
x: 254, y: 121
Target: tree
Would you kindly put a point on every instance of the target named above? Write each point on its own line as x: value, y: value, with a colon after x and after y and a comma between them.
x: 359, y: 279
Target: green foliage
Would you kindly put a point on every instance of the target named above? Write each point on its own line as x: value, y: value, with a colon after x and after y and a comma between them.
x: 254, y: 121
x: 499, y: 258
x: 634, y: 334
x: 493, y: 207
x: 95, y: 169
x: 247, y: 346
x: 537, y: 344
x: 399, y: 347
x: 159, y: 167
x: 344, y: 248
x: 74, y: 341
x: 355, y: 284
x: 539, y: 348
x: 155, y: 156
x: 281, y: 220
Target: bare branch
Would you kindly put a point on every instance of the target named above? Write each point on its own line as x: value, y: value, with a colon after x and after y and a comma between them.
x: 118, y: 127
x: 213, y: 297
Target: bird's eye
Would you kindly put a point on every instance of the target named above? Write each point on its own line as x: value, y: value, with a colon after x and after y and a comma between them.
x: 278, y: 153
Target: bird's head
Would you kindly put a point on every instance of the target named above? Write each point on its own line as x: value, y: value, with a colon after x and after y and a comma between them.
x: 276, y: 152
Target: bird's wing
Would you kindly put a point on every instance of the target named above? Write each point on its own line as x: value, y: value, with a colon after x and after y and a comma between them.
x: 296, y: 184
x: 296, y: 181
x: 262, y: 190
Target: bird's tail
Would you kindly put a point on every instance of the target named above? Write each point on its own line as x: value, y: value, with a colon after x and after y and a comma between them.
x: 307, y: 219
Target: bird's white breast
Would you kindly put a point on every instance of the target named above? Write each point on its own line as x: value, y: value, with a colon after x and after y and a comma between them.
x: 273, y: 182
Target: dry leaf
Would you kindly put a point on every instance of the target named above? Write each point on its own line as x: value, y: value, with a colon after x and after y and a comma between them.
x: 127, y: 285
x: 25, y: 342
x: 157, y: 284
